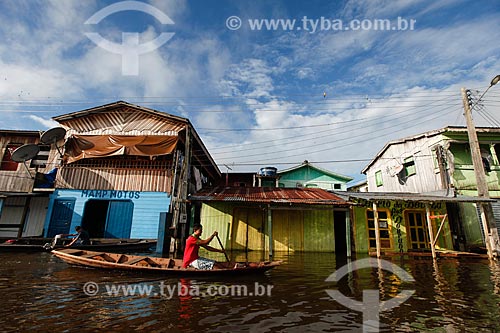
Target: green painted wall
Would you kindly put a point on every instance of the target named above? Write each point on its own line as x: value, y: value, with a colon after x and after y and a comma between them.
x: 463, y: 175
x: 313, y: 229
x: 470, y: 218
x: 308, y: 174
x: 397, y: 223
x: 217, y: 217
x: 318, y: 231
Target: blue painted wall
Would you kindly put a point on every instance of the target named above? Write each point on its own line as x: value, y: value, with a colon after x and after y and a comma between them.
x: 146, y: 214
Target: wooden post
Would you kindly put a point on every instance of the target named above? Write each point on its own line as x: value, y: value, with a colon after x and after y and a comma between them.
x: 377, y: 228
x: 490, y: 231
x: 429, y: 227
x: 348, y: 232
x: 270, y: 229
x: 484, y: 221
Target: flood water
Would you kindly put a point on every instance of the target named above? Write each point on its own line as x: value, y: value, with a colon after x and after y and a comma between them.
x: 41, y: 293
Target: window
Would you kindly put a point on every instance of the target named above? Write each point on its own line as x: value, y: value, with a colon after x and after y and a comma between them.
x: 7, y: 163
x: 417, y: 230
x: 383, y: 224
x: 378, y: 178
x: 337, y: 186
x: 41, y: 159
x: 409, y: 165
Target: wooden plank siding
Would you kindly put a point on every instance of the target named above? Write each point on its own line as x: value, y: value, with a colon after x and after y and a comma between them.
x: 36, y: 217
x: 427, y: 177
x: 146, y: 215
x: 243, y: 227
x: 247, y: 229
x: 19, y: 180
x: 126, y: 174
x: 124, y: 121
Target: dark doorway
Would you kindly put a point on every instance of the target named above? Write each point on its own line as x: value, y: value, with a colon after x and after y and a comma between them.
x: 94, y: 217
x: 457, y: 232
x: 339, y: 225
x: 108, y: 218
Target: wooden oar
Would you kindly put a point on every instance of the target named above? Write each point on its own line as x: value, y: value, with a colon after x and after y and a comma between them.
x: 222, y: 247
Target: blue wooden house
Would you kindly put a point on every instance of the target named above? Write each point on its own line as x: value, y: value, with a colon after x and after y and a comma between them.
x: 125, y: 168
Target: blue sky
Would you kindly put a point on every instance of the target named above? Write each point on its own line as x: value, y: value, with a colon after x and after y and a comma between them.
x: 257, y: 97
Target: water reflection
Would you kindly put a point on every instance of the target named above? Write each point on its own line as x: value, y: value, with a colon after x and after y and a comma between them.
x: 42, y: 293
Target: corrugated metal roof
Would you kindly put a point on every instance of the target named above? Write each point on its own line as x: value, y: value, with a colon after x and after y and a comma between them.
x: 405, y: 196
x: 308, y: 196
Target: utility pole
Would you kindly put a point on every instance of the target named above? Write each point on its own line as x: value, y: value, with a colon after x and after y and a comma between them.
x: 486, y: 211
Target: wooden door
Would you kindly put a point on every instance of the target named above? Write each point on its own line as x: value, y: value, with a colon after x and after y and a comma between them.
x: 288, y: 230
x: 247, y: 229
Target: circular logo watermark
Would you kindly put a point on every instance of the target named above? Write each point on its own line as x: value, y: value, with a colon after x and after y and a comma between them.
x: 233, y: 22
x: 90, y: 288
x: 371, y: 305
x: 130, y: 49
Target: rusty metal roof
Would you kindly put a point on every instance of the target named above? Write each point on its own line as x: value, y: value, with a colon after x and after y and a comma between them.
x: 303, y: 196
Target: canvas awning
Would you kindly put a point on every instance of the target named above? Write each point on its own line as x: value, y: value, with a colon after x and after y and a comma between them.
x: 92, y: 146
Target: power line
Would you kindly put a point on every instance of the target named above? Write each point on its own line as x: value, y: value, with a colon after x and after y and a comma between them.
x: 342, y: 146
x: 361, y: 120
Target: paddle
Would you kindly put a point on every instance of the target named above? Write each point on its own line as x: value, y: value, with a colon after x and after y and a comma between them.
x: 222, y: 247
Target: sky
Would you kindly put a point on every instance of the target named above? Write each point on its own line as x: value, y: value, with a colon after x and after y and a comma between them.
x: 325, y: 81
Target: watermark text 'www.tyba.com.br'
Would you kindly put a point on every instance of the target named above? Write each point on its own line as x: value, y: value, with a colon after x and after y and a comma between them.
x: 313, y: 25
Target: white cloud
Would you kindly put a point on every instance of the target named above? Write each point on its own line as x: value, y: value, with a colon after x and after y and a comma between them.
x: 47, y: 123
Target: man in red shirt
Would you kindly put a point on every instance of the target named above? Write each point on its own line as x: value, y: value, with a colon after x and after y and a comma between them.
x: 193, y: 243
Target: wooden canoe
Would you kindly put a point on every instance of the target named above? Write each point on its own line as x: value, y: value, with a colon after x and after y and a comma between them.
x: 97, y: 244
x: 128, y: 262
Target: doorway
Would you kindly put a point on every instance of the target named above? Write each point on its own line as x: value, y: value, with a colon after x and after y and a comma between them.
x: 340, y: 231
x: 108, y: 218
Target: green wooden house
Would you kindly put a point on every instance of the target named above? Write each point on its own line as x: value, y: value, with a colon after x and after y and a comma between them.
x: 274, y: 219
x: 440, y: 161
x: 310, y: 176
x: 407, y: 222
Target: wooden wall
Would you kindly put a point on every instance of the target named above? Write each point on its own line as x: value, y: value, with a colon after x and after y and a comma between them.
x: 427, y: 177
x: 19, y: 180
x: 146, y: 215
x: 124, y: 174
x: 396, y: 213
x: 243, y: 227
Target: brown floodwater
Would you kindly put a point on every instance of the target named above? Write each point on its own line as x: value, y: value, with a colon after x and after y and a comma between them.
x: 41, y: 293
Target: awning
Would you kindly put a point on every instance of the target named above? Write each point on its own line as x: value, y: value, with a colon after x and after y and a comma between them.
x: 92, y: 146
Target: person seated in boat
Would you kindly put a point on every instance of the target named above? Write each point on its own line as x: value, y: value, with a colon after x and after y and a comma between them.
x: 193, y: 243
x: 82, y: 237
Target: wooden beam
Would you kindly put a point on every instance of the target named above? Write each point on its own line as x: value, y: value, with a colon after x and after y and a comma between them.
x: 431, y: 232
x: 348, y: 232
x: 270, y: 229
x: 377, y: 229
x: 440, y: 228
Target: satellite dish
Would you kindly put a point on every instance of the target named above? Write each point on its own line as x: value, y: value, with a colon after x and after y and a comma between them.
x: 25, y: 153
x: 53, y: 135
x: 395, y: 169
